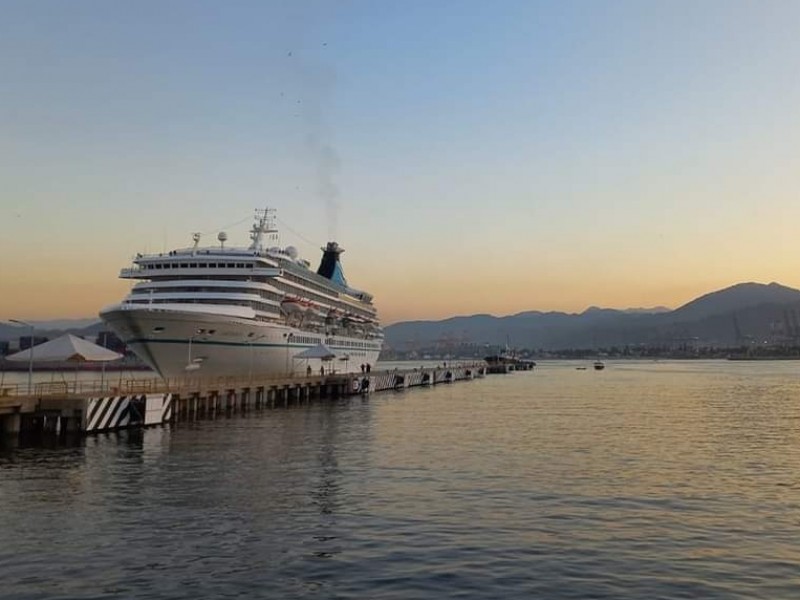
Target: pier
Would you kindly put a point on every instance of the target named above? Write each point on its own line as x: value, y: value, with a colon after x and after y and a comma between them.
x: 80, y: 407
x: 503, y: 367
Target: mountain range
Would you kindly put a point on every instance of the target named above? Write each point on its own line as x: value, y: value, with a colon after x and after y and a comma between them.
x: 88, y: 328
x: 742, y: 313
x: 736, y: 315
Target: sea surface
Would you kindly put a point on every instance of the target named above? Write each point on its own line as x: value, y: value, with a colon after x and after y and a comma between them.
x: 646, y: 480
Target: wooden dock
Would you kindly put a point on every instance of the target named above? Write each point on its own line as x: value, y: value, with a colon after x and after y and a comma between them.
x: 79, y: 408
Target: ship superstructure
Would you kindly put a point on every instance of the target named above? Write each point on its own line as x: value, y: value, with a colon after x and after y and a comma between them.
x: 234, y: 311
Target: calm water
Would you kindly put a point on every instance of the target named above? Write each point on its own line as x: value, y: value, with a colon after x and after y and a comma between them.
x: 646, y: 480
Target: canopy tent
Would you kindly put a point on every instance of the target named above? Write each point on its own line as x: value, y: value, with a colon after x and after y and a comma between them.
x: 66, y: 348
x: 320, y: 351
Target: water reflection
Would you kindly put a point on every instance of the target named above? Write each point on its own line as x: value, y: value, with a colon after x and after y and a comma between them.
x: 651, y: 480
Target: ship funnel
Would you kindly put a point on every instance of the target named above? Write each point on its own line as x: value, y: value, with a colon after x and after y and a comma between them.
x: 329, y: 266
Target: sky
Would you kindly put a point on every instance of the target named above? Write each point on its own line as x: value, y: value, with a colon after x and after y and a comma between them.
x: 470, y: 156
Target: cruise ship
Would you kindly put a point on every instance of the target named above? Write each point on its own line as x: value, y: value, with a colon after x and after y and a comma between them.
x: 219, y: 311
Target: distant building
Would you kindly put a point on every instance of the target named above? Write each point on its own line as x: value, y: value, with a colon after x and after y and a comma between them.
x: 109, y: 340
x: 25, y: 341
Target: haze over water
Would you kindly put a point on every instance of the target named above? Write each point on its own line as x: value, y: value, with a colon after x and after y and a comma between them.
x: 646, y: 480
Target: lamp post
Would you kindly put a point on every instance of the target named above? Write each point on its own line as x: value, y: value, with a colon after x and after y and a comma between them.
x: 288, y: 341
x: 190, y: 364
x: 30, y: 361
x: 189, y: 359
x: 250, y: 343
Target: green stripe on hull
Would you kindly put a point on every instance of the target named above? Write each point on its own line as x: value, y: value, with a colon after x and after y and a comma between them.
x: 242, y: 344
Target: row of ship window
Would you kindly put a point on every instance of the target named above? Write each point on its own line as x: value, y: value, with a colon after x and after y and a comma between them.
x: 263, y: 293
x: 287, y: 289
x: 307, y: 282
x: 312, y: 296
x: 190, y: 290
x: 349, y: 344
x: 310, y: 283
x: 174, y: 265
x: 250, y: 304
x: 253, y: 305
x: 290, y: 276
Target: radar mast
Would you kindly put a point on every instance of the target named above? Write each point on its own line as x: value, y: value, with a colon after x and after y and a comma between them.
x: 264, y: 233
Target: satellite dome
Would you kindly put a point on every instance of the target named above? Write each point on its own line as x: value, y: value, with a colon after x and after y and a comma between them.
x: 292, y: 252
x: 222, y: 236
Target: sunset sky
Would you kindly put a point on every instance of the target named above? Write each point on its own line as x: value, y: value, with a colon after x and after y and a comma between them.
x: 472, y: 157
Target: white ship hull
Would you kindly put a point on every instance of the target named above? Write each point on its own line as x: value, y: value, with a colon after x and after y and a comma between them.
x: 178, y: 344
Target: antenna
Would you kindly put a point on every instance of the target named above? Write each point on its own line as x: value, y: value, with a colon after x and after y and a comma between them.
x: 266, y: 217
x: 264, y: 226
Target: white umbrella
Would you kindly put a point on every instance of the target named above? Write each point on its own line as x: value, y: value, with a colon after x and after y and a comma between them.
x: 320, y: 351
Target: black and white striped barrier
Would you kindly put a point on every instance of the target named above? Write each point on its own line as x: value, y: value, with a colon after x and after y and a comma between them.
x: 400, y: 380
x: 118, y: 412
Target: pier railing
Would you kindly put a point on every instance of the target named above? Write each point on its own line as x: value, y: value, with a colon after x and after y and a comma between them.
x: 85, y: 407
x: 155, y: 385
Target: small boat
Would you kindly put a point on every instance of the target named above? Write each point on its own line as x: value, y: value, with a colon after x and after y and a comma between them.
x: 598, y: 365
x: 580, y: 368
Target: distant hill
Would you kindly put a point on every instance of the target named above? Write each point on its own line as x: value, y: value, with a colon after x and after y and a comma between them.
x: 647, y: 311
x: 51, y: 329
x: 737, y: 297
x: 62, y: 324
x: 731, y: 316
